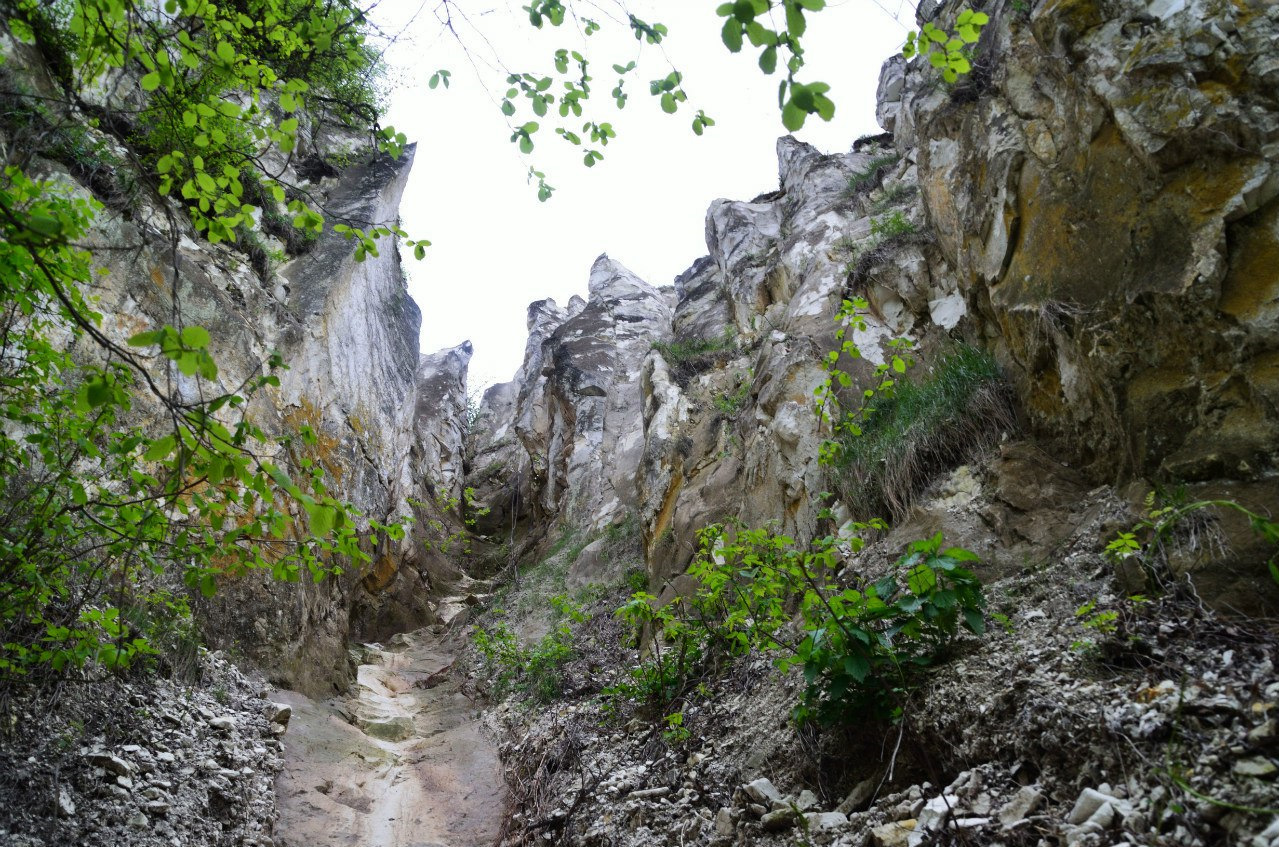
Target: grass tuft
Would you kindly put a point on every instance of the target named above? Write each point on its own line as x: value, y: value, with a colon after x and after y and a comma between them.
x: 929, y: 426
x: 863, y: 181
x: 688, y: 358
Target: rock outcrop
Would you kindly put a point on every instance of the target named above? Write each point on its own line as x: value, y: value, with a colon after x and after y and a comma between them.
x: 1104, y: 190
x: 1104, y: 187
x: 578, y: 400
x: 1093, y: 206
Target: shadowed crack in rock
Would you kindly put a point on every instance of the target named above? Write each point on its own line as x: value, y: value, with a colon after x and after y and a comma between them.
x: 403, y: 763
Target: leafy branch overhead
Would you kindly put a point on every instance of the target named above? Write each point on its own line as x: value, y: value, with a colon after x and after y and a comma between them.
x: 744, y: 24
x: 949, y: 52
x: 106, y: 516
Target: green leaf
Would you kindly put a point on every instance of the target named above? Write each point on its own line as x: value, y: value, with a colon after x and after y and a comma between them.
x: 768, y: 60
x: 160, y: 448
x: 975, y: 622
x: 21, y: 30
x: 196, y: 337
x: 97, y: 391
x: 151, y: 81
x: 731, y: 35
x: 793, y: 117
x: 857, y: 666
x: 795, y: 22
x: 322, y: 519
x: 668, y: 103
x: 43, y: 224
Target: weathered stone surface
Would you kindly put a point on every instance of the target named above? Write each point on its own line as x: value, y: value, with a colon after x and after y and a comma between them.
x: 577, y: 411
x: 1112, y: 223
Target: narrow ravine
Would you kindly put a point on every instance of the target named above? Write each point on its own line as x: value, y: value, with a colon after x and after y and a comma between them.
x: 402, y: 763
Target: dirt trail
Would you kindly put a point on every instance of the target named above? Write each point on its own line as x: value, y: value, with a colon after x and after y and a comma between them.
x: 401, y: 764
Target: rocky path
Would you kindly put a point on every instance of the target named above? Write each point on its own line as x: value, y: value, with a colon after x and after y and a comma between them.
x: 401, y: 764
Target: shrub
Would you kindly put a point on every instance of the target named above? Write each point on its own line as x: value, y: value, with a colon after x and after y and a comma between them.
x: 679, y: 352
x: 861, y: 646
x: 891, y: 196
x: 1173, y: 521
x: 729, y: 403
x: 693, y: 356
x: 887, y: 232
x: 534, y: 670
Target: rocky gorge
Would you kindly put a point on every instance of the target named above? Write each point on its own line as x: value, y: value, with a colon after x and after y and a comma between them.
x: 1076, y: 246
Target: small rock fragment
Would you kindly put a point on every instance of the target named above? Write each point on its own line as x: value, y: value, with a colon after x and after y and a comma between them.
x: 763, y: 792
x: 724, y: 822
x: 278, y: 713
x: 113, y: 764
x: 1022, y: 804
x: 936, y: 812
x: 1087, y: 805
x: 823, y: 821
x: 64, y: 806
x: 1257, y: 766
x: 893, y: 834
x: 859, y: 796
x: 778, y: 820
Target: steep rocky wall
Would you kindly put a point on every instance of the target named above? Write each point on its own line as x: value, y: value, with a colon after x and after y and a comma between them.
x: 1104, y: 187
x: 694, y: 404
x: 347, y: 330
x: 1094, y: 205
x: 574, y: 407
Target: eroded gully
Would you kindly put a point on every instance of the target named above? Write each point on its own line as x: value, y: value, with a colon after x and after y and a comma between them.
x: 401, y: 763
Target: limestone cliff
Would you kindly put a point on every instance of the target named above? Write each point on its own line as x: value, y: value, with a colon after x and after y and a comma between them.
x: 1093, y: 207
x: 346, y: 330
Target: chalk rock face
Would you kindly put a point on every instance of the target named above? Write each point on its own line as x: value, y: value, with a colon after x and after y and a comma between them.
x: 441, y: 418
x: 1107, y: 191
x: 348, y: 332
x: 398, y: 589
x: 591, y: 364
x: 562, y: 443
x: 497, y: 466
x: 692, y: 405
x: 734, y: 433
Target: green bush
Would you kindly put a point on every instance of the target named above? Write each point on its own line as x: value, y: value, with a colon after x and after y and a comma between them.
x: 891, y: 196
x: 534, y: 670
x: 865, y: 647
x: 887, y: 232
x: 729, y: 403
x: 861, y: 646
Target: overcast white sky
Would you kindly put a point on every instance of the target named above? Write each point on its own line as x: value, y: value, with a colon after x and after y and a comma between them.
x: 496, y: 248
